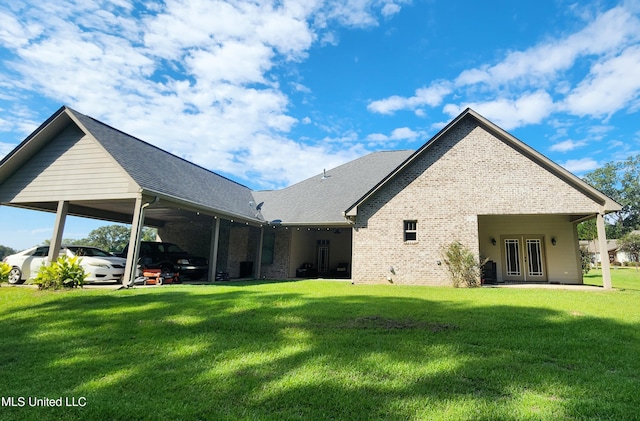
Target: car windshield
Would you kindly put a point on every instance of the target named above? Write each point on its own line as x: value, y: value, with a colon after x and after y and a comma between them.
x: 88, y: 251
x: 170, y: 248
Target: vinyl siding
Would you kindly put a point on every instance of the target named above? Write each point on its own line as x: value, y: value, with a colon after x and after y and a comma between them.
x: 73, y: 166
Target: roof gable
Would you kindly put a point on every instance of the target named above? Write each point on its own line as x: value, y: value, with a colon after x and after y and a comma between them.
x: 576, y: 183
x: 160, y: 172
x: 71, y: 166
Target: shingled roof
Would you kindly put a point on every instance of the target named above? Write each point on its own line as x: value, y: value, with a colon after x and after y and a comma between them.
x: 158, y: 171
x: 323, y: 198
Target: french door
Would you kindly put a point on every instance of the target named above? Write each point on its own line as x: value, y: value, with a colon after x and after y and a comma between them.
x: 523, y: 258
x: 323, y: 256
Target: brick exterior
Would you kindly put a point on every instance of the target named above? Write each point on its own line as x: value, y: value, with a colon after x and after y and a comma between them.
x: 237, y: 242
x: 466, y: 173
x: 279, y: 269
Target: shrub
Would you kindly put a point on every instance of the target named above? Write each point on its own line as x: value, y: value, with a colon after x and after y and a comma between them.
x: 585, y: 260
x: 65, y: 272
x: 4, y: 272
x: 464, y: 268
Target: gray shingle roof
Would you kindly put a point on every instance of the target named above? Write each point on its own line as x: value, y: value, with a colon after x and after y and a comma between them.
x: 159, y: 171
x: 319, y: 200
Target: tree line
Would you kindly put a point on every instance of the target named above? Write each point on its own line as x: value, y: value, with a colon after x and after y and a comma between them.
x: 111, y: 238
x: 621, y: 182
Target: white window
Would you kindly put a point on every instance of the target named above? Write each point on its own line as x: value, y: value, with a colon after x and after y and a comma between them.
x: 410, y: 230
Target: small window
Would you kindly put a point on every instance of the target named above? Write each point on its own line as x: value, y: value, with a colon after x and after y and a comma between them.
x: 410, y: 230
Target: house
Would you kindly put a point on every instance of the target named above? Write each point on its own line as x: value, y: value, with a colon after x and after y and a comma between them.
x: 384, y: 217
x: 616, y: 256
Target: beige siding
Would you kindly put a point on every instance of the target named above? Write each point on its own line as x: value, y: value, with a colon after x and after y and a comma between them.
x: 561, y: 262
x: 72, y: 166
x: 467, y: 173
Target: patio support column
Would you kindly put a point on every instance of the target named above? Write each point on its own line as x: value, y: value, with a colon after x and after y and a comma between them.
x: 604, y: 253
x: 58, y: 229
x: 259, y: 254
x: 134, y: 243
x: 213, y: 256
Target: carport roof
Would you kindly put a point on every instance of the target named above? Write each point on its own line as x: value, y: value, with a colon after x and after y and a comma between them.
x: 178, y: 182
x: 158, y: 171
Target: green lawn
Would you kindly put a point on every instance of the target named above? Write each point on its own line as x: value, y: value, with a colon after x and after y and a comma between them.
x: 323, y: 350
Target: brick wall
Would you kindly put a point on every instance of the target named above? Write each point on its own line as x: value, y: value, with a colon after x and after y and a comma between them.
x: 279, y: 269
x: 467, y: 173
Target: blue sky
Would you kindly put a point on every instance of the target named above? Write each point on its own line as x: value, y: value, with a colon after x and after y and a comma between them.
x: 270, y: 93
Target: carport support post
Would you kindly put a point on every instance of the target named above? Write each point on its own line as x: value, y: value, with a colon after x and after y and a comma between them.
x: 134, y: 243
x: 58, y: 229
x: 604, y: 253
x: 213, y: 256
x: 259, y: 254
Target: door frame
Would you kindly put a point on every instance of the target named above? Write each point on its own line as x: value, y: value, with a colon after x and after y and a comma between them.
x: 524, y: 243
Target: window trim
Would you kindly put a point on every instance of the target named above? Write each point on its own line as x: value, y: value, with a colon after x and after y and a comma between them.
x: 410, y: 230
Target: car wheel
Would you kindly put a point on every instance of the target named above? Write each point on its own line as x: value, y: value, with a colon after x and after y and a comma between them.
x: 15, y: 276
x: 160, y: 280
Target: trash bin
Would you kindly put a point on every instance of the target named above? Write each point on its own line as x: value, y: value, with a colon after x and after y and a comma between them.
x: 246, y: 269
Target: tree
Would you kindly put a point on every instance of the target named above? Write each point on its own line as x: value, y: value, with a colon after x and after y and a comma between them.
x: 587, y: 230
x: 66, y: 241
x: 621, y: 182
x: 630, y: 243
x: 6, y: 251
x: 112, y: 238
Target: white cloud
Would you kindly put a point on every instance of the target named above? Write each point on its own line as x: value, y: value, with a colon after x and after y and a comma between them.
x: 194, y: 77
x: 610, y: 31
x: 390, y: 9
x: 530, y: 108
x: 431, y: 96
x: 399, y: 134
x: 567, y: 145
x: 611, y: 85
x: 405, y: 133
x: 579, y: 166
x: 529, y: 85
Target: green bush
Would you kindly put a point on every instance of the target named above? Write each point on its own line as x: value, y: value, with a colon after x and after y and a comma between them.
x: 4, y: 272
x: 464, y: 268
x: 65, y: 272
x: 585, y: 260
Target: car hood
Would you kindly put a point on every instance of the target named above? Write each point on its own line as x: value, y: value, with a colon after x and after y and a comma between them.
x: 104, y: 260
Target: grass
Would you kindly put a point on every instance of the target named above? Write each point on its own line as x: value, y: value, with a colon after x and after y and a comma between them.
x: 323, y: 350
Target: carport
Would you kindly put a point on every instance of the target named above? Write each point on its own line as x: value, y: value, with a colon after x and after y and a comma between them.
x: 75, y: 165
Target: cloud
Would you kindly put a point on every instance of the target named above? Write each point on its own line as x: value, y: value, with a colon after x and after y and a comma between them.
x: 528, y: 86
x: 431, y: 96
x: 612, y: 84
x: 567, y: 145
x: 195, y: 77
x: 530, y: 108
x: 399, y: 134
x: 580, y: 166
x: 610, y: 31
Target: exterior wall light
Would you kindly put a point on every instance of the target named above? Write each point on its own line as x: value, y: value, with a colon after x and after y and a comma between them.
x: 493, y: 241
x: 553, y: 241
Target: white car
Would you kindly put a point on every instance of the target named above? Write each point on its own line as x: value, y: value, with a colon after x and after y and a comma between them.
x: 98, y: 264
